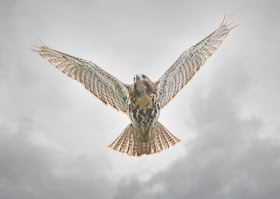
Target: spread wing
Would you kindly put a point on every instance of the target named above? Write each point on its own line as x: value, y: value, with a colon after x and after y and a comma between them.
x: 104, y: 86
x: 178, y: 75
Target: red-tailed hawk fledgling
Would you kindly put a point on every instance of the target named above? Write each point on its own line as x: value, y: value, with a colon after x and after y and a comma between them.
x: 142, y: 100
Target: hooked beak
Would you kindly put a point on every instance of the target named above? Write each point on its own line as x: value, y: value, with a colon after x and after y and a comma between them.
x: 139, y: 85
x: 138, y: 77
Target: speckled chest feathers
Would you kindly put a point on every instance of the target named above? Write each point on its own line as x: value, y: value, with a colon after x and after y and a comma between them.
x: 143, y: 108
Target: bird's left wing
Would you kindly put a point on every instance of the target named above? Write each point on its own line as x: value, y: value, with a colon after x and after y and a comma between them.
x: 177, y: 76
x: 104, y: 86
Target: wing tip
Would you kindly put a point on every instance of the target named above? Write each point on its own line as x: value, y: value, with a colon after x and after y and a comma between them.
x: 37, y: 46
x: 229, y: 21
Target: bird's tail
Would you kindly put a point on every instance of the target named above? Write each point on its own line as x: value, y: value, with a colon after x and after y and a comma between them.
x: 127, y: 142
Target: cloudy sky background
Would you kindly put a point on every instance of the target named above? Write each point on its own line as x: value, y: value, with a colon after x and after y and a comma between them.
x: 54, y: 134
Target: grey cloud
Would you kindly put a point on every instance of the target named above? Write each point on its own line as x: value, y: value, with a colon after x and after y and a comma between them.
x: 227, y: 159
x: 29, y: 170
x: 230, y: 106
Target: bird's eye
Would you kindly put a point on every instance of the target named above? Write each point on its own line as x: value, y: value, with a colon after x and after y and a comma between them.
x: 144, y: 76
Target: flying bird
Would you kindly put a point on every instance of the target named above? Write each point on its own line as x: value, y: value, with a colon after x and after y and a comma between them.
x: 143, y: 99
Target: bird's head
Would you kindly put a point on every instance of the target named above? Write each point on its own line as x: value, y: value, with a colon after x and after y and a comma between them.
x: 143, y: 84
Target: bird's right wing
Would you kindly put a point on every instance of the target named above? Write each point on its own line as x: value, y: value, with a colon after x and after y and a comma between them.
x: 185, y: 67
x: 104, y: 86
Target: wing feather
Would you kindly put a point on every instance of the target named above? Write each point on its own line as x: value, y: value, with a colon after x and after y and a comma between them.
x: 190, y: 61
x: 104, y: 86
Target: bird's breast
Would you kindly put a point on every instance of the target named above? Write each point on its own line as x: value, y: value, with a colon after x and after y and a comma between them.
x: 144, y: 112
x: 145, y: 101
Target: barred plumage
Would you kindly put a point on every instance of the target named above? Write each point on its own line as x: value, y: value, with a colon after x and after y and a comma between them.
x: 127, y: 142
x: 104, y: 86
x: 190, y: 61
x: 143, y: 99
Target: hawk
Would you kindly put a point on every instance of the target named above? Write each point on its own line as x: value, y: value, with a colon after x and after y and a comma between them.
x: 143, y: 99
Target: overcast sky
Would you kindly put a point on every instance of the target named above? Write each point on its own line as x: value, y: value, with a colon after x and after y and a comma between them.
x: 54, y: 134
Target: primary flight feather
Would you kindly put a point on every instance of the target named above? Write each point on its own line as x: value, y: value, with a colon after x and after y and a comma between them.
x: 142, y: 100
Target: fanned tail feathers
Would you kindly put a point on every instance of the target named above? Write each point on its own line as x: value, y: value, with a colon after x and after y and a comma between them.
x: 127, y: 143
